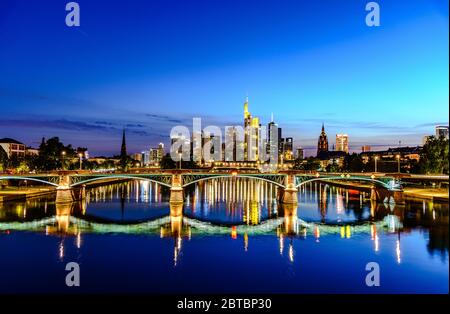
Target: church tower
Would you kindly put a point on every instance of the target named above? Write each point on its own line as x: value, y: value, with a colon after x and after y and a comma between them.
x: 322, y: 145
x: 123, y: 148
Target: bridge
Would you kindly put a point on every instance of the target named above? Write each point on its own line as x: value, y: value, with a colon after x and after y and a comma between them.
x: 70, y: 185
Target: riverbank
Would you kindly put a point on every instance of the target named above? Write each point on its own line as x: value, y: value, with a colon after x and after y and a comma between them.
x: 20, y: 194
x: 410, y: 193
x: 438, y: 195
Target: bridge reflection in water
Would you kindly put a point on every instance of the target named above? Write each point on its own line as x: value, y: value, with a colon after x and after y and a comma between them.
x: 241, y: 208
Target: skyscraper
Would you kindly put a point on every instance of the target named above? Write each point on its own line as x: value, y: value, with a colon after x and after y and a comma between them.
x: 252, y: 129
x: 342, y: 142
x: 442, y: 130
x: 288, y: 144
x: 273, y: 144
x: 322, y: 145
x: 300, y: 153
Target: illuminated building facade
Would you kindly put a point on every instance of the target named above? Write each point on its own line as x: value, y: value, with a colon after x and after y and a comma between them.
x: 342, y: 143
x: 13, y: 147
x: 252, y: 134
x: 442, y: 130
x: 287, y: 144
x: 366, y: 148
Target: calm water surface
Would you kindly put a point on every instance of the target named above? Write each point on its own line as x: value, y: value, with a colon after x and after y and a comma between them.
x: 228, y: 237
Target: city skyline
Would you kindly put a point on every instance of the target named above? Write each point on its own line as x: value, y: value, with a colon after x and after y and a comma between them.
x: 304, y: 77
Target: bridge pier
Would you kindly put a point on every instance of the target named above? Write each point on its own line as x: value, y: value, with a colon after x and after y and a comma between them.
x: 176, y: 191
x: 290, y: 219
x: 289, y: 193
x: 66, y: 194
x: 63, y: 211
x: 384, y: 195
x: 176, y: 219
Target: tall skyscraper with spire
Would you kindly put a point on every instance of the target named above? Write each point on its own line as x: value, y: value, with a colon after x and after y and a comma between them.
x: 322, y: 145
x: 252, y: 129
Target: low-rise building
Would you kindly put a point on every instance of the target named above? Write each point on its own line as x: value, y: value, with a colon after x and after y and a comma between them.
x: 13, y: 148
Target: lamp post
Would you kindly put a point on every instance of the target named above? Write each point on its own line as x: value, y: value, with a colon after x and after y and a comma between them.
x: 398, y: 162
x: 63, y: 153
x: 376, y: 159
x: 80, y: 155
x: 179, y: 155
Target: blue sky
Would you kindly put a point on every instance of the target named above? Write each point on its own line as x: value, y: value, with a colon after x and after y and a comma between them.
x: 150, y: 65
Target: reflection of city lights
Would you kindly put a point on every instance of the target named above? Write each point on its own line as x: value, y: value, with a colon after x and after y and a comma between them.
x: 434, y: 215
x: 342, y: 232
x: 61, y: 250
x: 291, y: 252
x: 348, y: 232
x: 317, y: 232
x: 392, y: 223
x: 175, y: 256
x: 339, y: 203
x: 245, y: 242
x: 79, y: 240
x: 397, y: 250
x: 281, y: 244
x: 233, y: 233
x: 376, y: 243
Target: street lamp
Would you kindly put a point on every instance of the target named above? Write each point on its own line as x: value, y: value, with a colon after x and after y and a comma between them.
x: 398, y: 161
x: 80, y: 155
x: 63, y: 153
x: 179, y: 155
x: 376, y: 159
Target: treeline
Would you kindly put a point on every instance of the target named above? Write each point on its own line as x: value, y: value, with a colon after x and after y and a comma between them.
x: 54, y: 155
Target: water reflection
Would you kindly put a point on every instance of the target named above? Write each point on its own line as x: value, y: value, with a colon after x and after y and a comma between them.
x: 236, y: 208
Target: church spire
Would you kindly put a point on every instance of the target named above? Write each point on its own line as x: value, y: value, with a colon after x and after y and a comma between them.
x: 123, y: 149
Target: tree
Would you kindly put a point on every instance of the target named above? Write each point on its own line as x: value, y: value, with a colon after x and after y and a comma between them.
x: 333, y: 167
x: 434, y: 156
x: 54, y: 155
x: 310, y: 164
x: 167, y: 162
x: 353, y: 163
x: 3, y: 159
